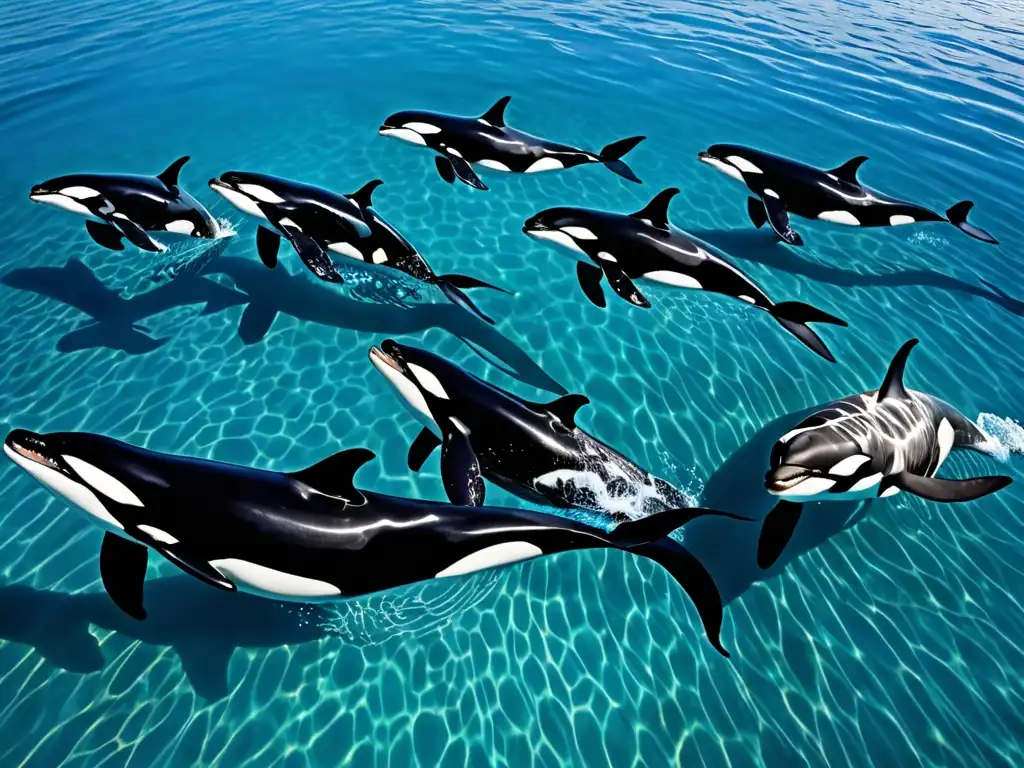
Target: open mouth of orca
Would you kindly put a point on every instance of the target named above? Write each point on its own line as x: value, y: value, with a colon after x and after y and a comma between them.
x: 26, y: 444
x: 388, y: 354
x: 781, y: 479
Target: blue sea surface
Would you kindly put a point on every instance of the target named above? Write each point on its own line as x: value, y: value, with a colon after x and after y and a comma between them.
x: 889, y: 635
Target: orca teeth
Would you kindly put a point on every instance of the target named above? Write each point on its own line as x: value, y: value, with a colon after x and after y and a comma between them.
x: 31, y: 455
x: 385, y: 358
x: 785, y: 477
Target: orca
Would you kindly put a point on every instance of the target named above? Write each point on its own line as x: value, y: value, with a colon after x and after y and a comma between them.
x: 309, y: 536
x: 624, y: 248
x: 310, y: 218
x: 535, y: 451
x: 128, y: 207
x: 868, y: 446
x: 383, y: 246
x: 486, y: 141
x: 782, y: 187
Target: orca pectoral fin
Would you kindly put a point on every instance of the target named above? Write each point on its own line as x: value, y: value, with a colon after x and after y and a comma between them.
x: 256, y: 322
x: 421, y: 448
x: 946, y: 490
x: 123, y: 572
x: 460, y: 471
x: 623, y: 286
x: 267, y: 243
x: 776, y: 532
x: 197, y: 568
x: 106, y: 235
x: 445, y: 169
x: 779, y: 219
x: 590, y: 281
x: 316, y: 259
x: 756, y: 212
x: 466, y: 173
x: 135, y: 234
x: 636, y: 532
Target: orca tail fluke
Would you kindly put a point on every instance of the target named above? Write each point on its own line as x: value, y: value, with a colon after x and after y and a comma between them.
x: 612, y: 156
x: 634, y: 533
x: 794, y: 316
x: 648, y: 537
x: 457, y: 297
x: 466, y: 282
x: 957, y: 216
x: 695, y: 580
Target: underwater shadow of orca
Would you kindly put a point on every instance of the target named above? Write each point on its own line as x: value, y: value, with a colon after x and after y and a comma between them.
x: 278, y: 291
x: 114, y: 320
x: 204, y: 626
x: 728, y: 548
x: 764, y: 248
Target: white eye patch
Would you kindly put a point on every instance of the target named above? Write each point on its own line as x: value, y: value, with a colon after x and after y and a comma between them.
x: 80, y: 193
x: 103, y: 482
x: 743, y: 164
x: 579, y: 233
x: 428, y: 381
x: 849, y: 465
x: 425, y: 128
x: 261, y: 193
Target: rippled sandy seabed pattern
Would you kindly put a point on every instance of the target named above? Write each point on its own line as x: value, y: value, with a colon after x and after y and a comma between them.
x: 888, y: 636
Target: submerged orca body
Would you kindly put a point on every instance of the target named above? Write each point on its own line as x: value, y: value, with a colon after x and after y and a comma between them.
x: 129, y: 207
x: 782, y: 187
x: 867, y: 446
x: 311, y: 535
x: 485, y: 141
x: 645, y: 245
x: 533, y: 450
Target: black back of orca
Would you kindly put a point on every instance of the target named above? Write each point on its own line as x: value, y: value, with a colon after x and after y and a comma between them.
x: 488, y: 142
x: 533, y: 450
x: 127, y: 206
x: 645, y: 245
x: 783, y: 186
x: 311, y: 534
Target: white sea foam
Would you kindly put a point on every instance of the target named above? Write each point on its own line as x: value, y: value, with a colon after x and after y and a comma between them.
x: 629, y: 498
x: 1006, y: 435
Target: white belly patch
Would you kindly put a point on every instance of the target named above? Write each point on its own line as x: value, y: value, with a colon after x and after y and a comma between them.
x: 492, y: 557
x: 261, y: 580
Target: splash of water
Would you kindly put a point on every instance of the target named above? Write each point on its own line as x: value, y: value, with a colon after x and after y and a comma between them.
x: 1005, y: 435
x: 191, y: 257
x: 930, y: 239
x: 624, y: 498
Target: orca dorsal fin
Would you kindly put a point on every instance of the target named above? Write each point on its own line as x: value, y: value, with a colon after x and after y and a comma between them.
x: 893, y: 384
x: 334, y: 475
x: 565, y: 408
x: 362, y: 195
x: 496, y: 115
x: 656, y: 211
x: 170, y: 174
x: 848, y: 170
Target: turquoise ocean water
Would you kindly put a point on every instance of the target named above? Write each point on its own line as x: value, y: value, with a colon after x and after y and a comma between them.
x: 888, y: 636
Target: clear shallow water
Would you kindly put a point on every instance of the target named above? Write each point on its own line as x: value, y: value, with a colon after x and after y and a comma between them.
x: 896, y: 642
